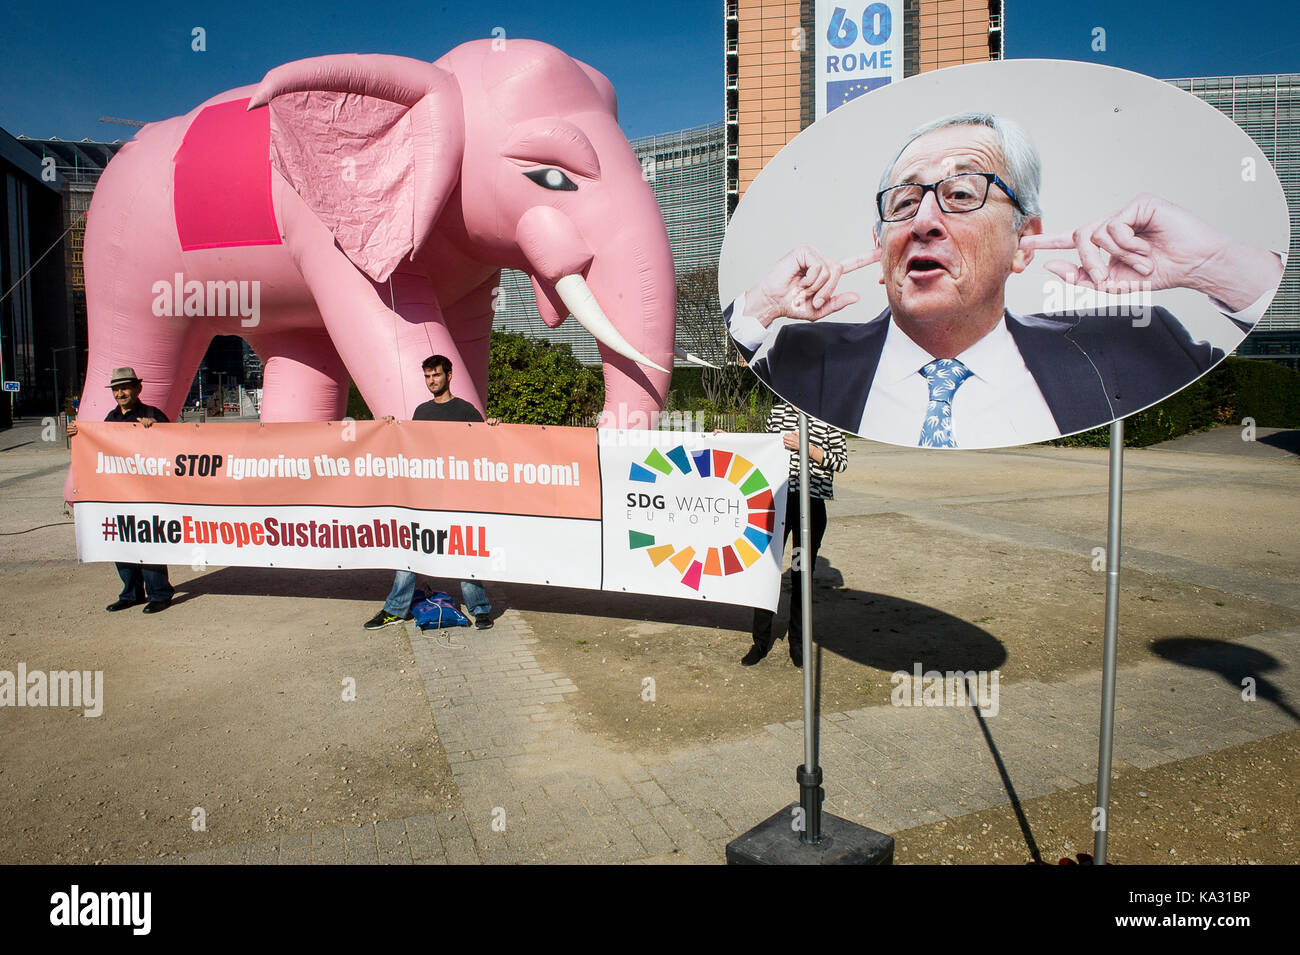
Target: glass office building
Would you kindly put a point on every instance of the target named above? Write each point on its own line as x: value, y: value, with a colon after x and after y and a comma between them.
x: 1267, y: 107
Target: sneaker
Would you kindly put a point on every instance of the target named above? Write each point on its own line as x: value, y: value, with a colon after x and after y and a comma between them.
x: 482, y: 621
x: 384, y: 619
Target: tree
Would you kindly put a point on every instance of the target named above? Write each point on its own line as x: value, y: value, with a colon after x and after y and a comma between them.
x: 539, y: 382
x: 701, y: 331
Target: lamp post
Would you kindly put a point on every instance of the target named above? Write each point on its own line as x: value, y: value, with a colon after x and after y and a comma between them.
x: 54, y: 360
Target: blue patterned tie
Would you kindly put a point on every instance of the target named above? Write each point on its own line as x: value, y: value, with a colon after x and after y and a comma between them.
x: 944, y: 376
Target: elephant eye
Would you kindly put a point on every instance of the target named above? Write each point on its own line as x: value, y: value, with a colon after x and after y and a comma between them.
x: 552, y: 178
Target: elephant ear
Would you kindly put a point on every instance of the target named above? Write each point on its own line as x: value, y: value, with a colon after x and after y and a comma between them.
x: 373, y: 145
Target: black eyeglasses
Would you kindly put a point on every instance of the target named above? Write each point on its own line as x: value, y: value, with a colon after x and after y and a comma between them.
x: 966, y: 192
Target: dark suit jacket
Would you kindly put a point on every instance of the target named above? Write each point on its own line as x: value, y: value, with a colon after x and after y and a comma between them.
x: 1091, y: 368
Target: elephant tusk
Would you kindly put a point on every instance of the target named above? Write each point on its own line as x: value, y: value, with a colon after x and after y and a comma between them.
x: 693, y: 359
x: 582, y: 305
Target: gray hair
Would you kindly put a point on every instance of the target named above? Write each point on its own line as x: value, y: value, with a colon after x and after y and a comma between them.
x: 1024, y: 168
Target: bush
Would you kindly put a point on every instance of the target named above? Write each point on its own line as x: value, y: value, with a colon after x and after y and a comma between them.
x: 358, y: 410
x: 537, y: 382
x: 1238, y: 388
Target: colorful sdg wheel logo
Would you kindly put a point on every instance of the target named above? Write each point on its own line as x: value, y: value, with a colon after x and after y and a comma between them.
x: 699, y: 559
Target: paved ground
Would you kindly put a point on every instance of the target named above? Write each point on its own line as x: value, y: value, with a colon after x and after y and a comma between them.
x: 536, y: 779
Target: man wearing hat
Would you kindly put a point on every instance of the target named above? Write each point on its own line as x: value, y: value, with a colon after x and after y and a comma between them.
x: 139, y: 581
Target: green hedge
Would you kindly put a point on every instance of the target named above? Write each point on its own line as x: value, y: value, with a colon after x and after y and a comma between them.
x: 529, y: 382
x: 1238, y: 388
x: 358, y: 410
x: 538, y: 382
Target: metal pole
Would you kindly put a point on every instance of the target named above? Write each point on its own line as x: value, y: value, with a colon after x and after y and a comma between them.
x: 54, y: 355
x: 58, y: 406
x: 809, y: 774
x: 1101, y: 821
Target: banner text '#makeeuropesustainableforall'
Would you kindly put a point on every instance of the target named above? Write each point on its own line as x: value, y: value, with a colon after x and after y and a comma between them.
x: 466, y: 540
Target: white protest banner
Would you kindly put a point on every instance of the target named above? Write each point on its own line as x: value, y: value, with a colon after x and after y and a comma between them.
x: 538, y: 505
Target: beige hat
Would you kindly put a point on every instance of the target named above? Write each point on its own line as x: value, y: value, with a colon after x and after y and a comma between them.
x: 123, y: 376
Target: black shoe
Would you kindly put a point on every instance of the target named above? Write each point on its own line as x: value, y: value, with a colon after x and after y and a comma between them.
x: 755, y: 654
x: 156, y: 606
x: 117, y: 605
x: 482, y: 621
x: 384, y: 619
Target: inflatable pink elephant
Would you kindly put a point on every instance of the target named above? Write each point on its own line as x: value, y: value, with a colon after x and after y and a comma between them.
x: 350, y: 216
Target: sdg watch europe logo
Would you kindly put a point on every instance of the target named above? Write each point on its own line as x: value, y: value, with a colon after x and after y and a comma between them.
x: 701, y: 513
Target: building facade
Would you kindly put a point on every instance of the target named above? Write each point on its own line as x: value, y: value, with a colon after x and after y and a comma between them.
x: 768, y: 73
x: 1267, y: 107
x: 42, y: 342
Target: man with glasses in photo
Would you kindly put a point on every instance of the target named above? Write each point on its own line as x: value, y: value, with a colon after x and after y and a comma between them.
x: 946, y: 365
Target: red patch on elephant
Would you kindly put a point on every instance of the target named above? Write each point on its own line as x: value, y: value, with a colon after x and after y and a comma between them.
x: 222, y: 179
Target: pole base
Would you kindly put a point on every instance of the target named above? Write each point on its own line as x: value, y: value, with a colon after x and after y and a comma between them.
x: 773, y: 842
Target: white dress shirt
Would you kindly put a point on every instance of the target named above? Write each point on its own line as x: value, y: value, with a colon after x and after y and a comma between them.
x: 999, y: 405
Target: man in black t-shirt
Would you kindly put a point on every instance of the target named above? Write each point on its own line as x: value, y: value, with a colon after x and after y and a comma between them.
x: 139, y: 581
x: 442, y: 407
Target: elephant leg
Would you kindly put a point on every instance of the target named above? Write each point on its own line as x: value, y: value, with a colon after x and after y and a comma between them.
x: 422, y: 331
x: 381, y: 349
x: 165, y: 352
x: 470, y: 323
x: 303, y: 377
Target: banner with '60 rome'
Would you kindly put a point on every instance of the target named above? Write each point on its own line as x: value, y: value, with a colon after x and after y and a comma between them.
x: 675, y: 514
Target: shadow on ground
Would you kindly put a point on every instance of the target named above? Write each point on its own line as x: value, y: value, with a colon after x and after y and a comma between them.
x: 1234, y: 662
x: 1283, y: 441
x: 290, y: 582
x: 891, y: 634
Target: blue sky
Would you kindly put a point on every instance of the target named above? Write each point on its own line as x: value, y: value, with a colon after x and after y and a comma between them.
x: 64, y: 65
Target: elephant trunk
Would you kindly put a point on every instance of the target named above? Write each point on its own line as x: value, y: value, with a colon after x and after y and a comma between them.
x: 624, y: 293
x: 639, y: 293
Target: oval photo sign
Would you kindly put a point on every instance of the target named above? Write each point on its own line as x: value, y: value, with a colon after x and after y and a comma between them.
x: 1002, y: 253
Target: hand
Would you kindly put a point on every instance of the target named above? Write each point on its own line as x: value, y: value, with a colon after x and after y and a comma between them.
x: 791, y: 441
x: 72, y: 429
x: 1152, y: 244
x: 493, y: 422
x: 146, y: 422
x: 802, y: 285
x: 387, y: 419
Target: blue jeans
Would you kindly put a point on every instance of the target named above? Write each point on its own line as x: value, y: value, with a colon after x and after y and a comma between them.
x: 403, y: 593
x: 141, y: 581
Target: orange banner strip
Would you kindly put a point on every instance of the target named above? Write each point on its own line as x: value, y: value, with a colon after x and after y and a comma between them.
x: 431, y: 465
